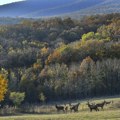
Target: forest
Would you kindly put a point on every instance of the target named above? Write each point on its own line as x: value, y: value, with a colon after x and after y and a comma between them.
x: 59, y: 59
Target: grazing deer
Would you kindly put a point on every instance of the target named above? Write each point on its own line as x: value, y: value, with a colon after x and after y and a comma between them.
x: 60, y: 108
x: 101, y: 104
x: 74, y: 107
x: 92, y: 107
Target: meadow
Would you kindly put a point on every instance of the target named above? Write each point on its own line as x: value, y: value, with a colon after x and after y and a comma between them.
x: 110, y: 112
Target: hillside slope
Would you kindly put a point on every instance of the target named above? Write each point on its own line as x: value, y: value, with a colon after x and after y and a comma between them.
x: 106, y: 7
x: 40, y: 8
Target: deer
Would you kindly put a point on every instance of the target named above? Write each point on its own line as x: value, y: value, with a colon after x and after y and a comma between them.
x: 92, y: 107
x: 101, y: 104
x: 60, y: 108
x: 74, y: 107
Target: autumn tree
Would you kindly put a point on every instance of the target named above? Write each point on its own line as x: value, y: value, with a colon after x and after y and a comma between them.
x: 87, y: 70
x: 88, y: 36
x: 3, y: 87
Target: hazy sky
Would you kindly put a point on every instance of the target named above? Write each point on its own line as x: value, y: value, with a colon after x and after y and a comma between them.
x: 8, y: 1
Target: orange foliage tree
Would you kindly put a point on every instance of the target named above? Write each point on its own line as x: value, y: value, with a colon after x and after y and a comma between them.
x: 3, y: 87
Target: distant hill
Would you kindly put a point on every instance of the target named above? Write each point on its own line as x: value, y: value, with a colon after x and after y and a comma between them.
x: 47, y: 8
x: 106, y: 7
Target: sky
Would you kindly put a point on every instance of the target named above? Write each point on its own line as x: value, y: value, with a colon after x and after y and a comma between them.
x: 2, y: 2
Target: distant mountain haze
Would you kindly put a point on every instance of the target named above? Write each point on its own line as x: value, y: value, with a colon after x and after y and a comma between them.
x: 46, y: 8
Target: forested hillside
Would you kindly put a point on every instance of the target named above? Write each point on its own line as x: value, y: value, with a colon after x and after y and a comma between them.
x: 59, y: 59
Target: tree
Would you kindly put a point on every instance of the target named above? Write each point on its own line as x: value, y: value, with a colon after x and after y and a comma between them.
x: 42, y: 97
x: 29, y: 83
x: 88, y: 36
x: 55, y: 77
x: 17, y: 98
x: 87, y: 70
x: 3, y: 87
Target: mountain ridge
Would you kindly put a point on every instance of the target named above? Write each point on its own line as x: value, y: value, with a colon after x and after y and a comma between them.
x: 46, y: 8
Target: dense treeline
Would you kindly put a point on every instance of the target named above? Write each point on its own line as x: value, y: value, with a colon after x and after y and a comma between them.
x: 62, y: 58
x: 10, y: 20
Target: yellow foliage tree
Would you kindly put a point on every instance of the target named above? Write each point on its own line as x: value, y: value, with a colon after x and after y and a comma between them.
x: 3, y: 87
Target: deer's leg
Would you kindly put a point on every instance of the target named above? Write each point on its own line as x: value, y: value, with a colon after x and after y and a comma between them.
x: 66, y: 110
x: 75, y: 109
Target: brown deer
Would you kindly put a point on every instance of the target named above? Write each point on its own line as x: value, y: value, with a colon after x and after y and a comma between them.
x: 101, y: 104
x: 74, y: 107
x: 60, y: 108
x: 92, y: 107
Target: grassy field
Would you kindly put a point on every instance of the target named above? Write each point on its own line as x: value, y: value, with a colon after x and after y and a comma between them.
x: 110, y: 112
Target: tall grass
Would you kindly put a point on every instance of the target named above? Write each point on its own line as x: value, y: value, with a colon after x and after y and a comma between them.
x: 41, y: 109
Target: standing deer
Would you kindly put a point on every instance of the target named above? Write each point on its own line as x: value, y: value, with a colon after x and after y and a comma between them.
x: 101, y: 104
x: 74, y: 107
x: 60, y: 108
x: 92, y: 107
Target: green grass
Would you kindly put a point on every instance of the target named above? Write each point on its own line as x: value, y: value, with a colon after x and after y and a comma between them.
x: 110, y: 112
x: 102, y: 115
